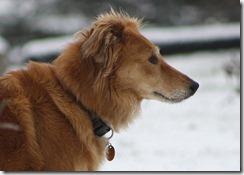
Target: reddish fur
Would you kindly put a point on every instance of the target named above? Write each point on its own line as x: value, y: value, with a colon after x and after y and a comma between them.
x: 107, y: 70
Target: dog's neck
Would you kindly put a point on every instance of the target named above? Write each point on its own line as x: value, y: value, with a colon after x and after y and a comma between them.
x: 100, y: 128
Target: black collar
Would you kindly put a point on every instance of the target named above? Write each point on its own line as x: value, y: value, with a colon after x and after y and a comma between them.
x: 99, y: 127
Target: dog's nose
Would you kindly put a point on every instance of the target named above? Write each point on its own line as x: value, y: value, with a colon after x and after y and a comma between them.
x: 194, y: 86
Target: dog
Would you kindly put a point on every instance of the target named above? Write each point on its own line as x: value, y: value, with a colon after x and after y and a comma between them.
x: 55, y: 116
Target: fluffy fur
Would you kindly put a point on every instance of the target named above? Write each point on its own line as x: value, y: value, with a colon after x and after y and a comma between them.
x: 109, y: 69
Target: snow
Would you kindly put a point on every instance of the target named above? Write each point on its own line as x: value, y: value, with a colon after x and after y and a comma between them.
x: 63, y: 23
x: 45, y: 46
x: 13, y: 11
x: 199, y: 134
x: 192, y: 33
x: 4, y: 46
x: 5, y: 7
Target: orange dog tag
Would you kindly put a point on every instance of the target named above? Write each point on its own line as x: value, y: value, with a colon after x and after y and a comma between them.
x: 110, y: 152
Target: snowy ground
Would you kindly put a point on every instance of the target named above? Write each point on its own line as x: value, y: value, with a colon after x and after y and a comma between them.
x: 200, y: 134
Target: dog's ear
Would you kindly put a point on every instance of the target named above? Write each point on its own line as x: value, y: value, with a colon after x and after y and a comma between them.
x: 103, y: 43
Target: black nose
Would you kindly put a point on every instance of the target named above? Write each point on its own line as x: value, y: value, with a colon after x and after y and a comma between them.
x: 194, y: 86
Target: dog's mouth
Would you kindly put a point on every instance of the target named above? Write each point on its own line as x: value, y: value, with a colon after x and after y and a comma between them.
x: 163, y: 97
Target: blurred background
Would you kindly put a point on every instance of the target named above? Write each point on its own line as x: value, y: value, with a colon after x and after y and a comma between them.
x: 199, y: 37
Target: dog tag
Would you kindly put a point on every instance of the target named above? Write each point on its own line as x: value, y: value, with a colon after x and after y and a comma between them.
x: 110, y: 152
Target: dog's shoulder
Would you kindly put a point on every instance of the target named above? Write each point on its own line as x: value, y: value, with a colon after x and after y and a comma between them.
x: 30, y: 82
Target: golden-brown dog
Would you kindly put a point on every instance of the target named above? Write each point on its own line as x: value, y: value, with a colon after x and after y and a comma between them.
x: 48, y: 112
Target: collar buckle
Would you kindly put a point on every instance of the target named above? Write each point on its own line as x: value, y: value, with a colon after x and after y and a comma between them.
x: 99, y: 127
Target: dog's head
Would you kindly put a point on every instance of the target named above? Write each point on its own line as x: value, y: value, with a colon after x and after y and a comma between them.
x: 132, y: 63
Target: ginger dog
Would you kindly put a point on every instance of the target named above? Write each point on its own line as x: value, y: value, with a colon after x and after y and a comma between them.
x: 53, y: 116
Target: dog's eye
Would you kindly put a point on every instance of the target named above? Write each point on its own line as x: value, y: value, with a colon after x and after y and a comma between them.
x: 153, y: 60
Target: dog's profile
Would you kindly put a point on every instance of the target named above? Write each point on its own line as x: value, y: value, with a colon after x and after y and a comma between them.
x: 53, y: 116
